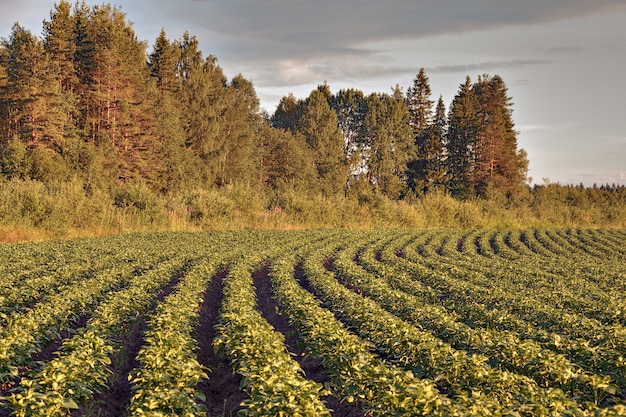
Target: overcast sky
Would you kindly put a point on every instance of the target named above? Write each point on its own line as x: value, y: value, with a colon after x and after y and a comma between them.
x: 564, y: 61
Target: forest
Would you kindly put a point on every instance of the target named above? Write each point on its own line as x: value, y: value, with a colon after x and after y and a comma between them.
x: 101, y: 132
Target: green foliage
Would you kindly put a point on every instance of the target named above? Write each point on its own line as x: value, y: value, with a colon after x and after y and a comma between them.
x: 390, y: 143
x: 319, y: 126
x: 446, y: 322
x: 165, y: 381
x: 273, y: 380
x: 97, y: 136
x: 15, y: 160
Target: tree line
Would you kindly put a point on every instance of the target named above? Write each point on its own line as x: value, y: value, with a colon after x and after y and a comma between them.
x: 87, y: 100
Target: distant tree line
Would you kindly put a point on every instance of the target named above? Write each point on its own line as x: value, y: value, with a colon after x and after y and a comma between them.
x: 86, y: 100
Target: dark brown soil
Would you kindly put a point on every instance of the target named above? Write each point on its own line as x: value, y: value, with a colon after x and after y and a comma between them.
x: 222, y: 391
x: 115, y: 401
x: 312, y: 367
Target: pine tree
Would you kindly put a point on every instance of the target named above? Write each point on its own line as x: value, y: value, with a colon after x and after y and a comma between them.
x: 4, y: 91
x: 32, y: 98
x: 320, y: 128
x: 60, y: 44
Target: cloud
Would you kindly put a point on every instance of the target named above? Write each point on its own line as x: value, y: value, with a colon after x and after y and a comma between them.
x: 293, y: 29
x: 330, y: 22
x: 486, y: 66
x: 562, y: 49
x: 528, y: 128
x: 614, y: 140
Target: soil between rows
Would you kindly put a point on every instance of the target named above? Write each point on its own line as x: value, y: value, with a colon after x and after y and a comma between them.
x: 222, y: 389
x: 115, y: 401
x: 312, y: 367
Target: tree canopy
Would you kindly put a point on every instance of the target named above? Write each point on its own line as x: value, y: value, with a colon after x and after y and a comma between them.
x: 88, y: 100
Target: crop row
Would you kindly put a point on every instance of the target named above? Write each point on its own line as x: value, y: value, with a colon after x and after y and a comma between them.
x: 445, y: 322
x: 81, y: 368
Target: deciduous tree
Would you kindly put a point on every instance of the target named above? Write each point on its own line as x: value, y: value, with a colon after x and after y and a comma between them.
x: 320, y: 128
x: 390, y: 143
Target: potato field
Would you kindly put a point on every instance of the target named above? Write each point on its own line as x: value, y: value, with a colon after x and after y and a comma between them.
x: 316, y: 323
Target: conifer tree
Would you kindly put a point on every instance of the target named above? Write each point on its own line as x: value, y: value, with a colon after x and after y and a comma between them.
x: 4, y: 103
x: 176, y: 166
x: 32, y: 97
x: 424, y: 170
x: 206, y: 99
x: 60, y: 44
x: 287, y: 113
x: 163, y: 62
x: 433, y: 149
x: 320, y: 128
x: 499, y: 164
x: 463, y: 126
x: 419, y: 104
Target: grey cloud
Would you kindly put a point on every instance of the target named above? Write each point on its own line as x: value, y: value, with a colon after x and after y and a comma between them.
x: 487, y: 66
x: 349, y: 67
x: 301, y: 26
x: 562, y: 49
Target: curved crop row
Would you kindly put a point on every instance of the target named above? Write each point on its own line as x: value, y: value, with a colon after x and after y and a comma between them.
x: 27, y: 333
x: 81, y: 368
x: 504, y: 349
x: 418, y: 350
x: 273, y: 380
x: 164, y: 383
x: 357, y: 374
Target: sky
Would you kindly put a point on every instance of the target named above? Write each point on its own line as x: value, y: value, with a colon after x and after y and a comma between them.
x: 563, y: 61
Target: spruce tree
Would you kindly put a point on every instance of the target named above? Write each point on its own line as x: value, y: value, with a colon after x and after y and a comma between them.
x: 499, y: 165
x: 207, y: 100
x: 176, y: 167
x: 433, y: 149
x: 419, y: 104
x: 425, y: 170
x: 287, y: 113
x: 163, y: 63
x: 464, y: 123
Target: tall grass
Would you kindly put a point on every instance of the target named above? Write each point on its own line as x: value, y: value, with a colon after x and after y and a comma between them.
x: 33, y: 210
